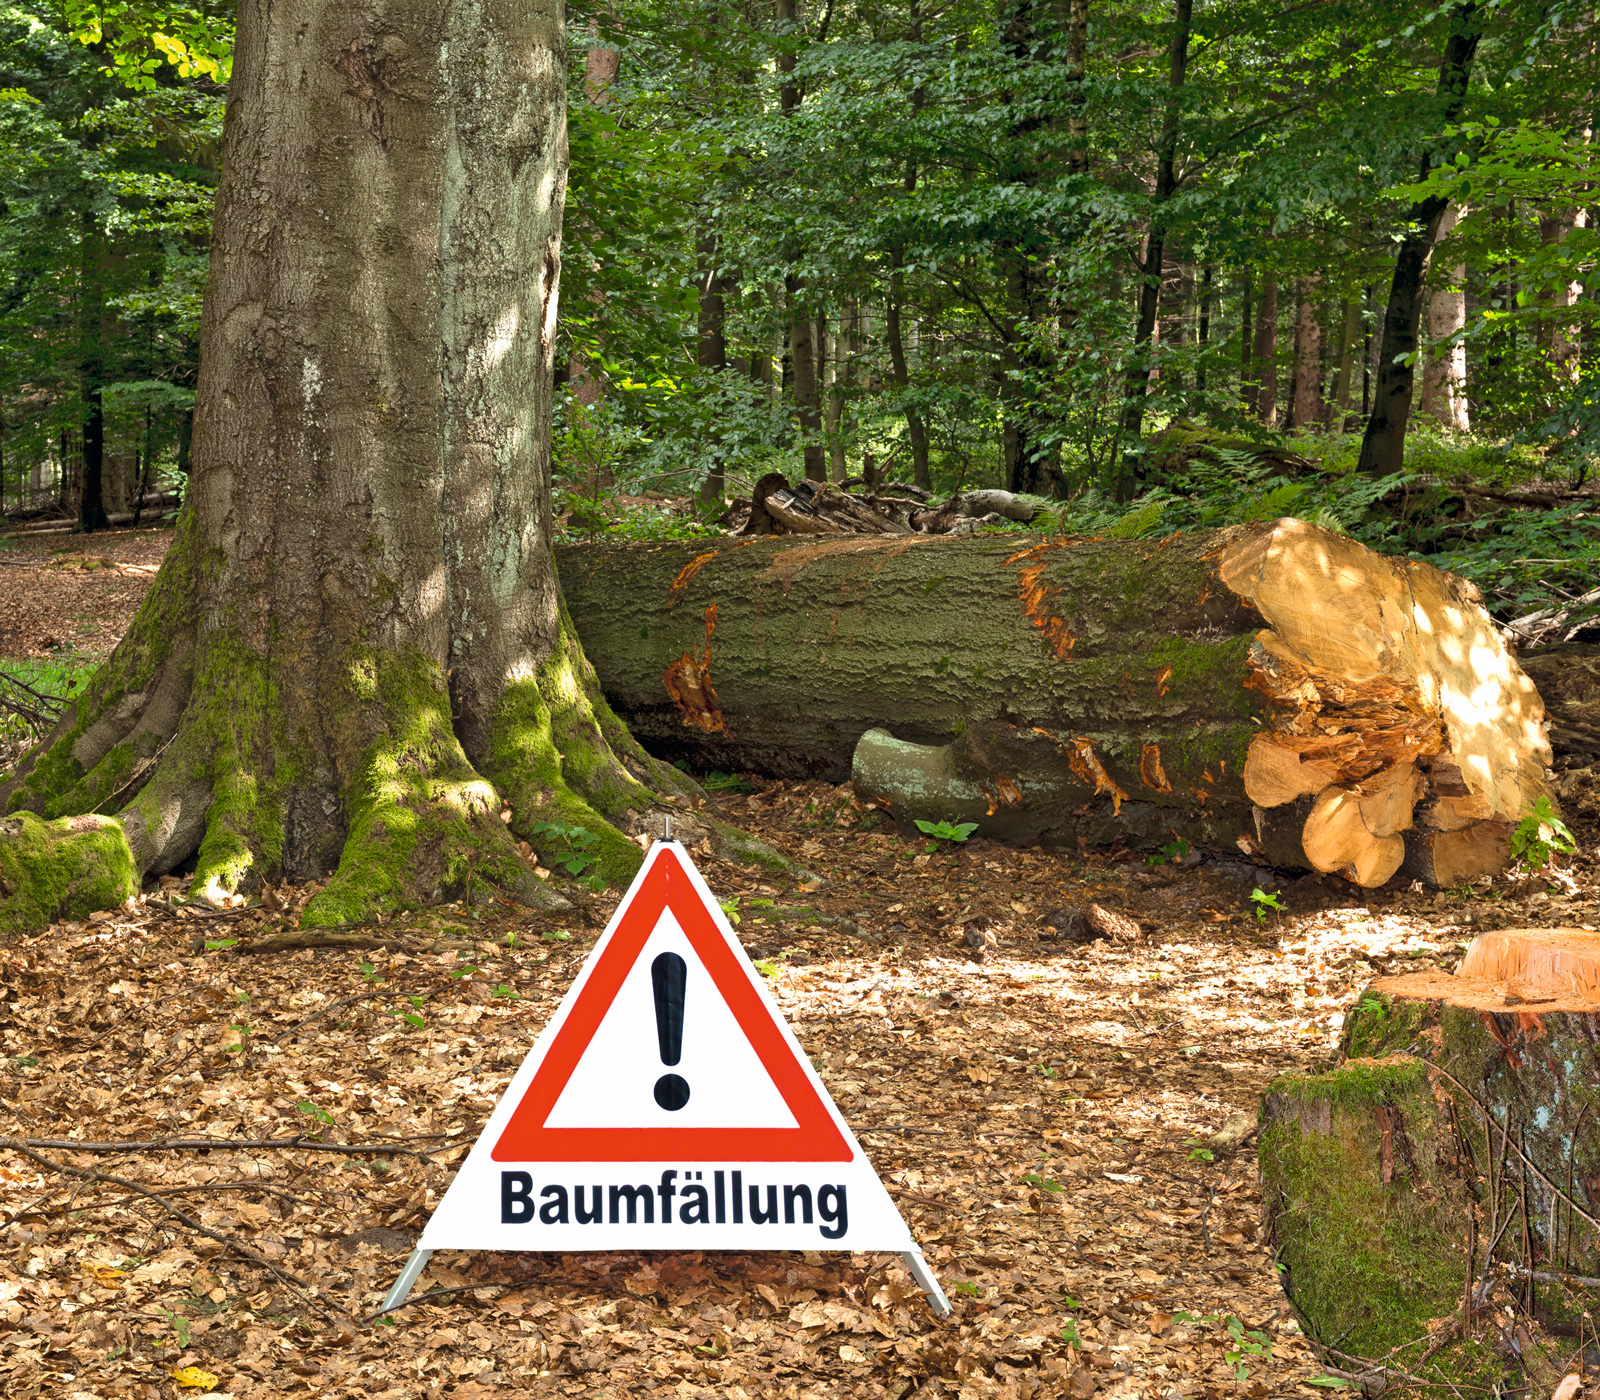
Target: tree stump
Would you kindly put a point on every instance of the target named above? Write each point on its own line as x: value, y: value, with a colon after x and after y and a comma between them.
x: 1273, y: 689
x: 1464, y: 1116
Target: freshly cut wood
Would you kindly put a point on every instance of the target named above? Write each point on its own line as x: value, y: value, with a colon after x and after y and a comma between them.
x: 1337, y: 837
x: 1274, y: 775
x: 1538, y: 962
x: 1273, y: 689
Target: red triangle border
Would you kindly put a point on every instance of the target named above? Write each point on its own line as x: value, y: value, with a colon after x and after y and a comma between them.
x: 525, y: 1138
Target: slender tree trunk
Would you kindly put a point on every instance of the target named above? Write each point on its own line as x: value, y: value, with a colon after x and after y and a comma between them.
x: 1444, y: 375
x: 916, y: 427
x: 711, y: 345
x: 1349, y: 333
x: 1383, y: 446
x: 1266, y: 352
x: 807, y: 394
x: 841, y: 382
x: 1249, y: 387
x: 91, y: 375
x: 1204, y: 331
x: 1305, y: 403
x: 1558, y: 337
x: 1155, y: 241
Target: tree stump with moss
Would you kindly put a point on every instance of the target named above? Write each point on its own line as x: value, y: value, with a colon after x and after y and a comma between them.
x: 1273, y: 688
x: 1464, y: 1118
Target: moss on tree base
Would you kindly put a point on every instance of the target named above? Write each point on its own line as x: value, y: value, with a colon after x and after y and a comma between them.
x: 1463, y: 1114
x: 63, y: 869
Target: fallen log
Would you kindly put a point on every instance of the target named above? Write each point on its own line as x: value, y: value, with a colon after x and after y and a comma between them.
x: 1272, y: 688
x: 1461, y: 1129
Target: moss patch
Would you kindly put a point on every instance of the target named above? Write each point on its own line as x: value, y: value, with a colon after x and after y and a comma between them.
x: 1379, y: 1025
x: 1369, y: 1262
x: 64, y: 869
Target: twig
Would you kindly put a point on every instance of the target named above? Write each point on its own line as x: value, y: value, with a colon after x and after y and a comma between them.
x: 1527, y: 1161
x: 1205, y: 1232
x: 323, y: 1011
x: 297, y: 1144
x: 934, y: 1132
x: 435, y: 1293
x: 95, y: 1174
x: 1544, y: 1276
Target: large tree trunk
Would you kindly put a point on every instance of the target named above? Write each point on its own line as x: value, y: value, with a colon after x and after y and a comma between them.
x: 1272, y: 688
x: 1383, y: 446
x: 355, y: 659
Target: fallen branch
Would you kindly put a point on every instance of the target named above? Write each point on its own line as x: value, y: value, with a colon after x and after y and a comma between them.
x: 297, y: 1144
x: 138, y: 1188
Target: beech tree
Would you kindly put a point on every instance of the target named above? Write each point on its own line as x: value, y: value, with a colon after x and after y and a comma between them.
x: 355, y: 659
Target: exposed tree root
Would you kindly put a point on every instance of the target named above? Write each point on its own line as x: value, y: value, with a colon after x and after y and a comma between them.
x: 198, y: 740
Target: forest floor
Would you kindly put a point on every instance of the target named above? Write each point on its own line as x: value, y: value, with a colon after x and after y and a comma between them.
x: 1067, y: 1129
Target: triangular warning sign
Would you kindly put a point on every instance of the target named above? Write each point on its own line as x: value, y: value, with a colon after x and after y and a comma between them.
x: 667, y: 1106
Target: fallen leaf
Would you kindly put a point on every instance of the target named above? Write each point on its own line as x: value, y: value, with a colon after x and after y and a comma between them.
x: 193, y: 1378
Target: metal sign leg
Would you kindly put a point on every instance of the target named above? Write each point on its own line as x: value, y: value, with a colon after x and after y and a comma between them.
x: 925, y: 1281
x: 414, y: 1267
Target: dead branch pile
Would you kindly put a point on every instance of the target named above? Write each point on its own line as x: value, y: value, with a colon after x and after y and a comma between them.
x: 869, y: 506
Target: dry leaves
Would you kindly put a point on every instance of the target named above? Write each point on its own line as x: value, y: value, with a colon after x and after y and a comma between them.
x: 1058, y: 1121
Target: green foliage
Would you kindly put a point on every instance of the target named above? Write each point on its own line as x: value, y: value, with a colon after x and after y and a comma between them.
x: 1540, y: 835
x: 570, y: 847
x: 1170, y: 854
x: 946, y: 831
x: 1263, y: 901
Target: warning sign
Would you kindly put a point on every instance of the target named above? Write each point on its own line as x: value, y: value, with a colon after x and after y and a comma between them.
x: 667, y: 1106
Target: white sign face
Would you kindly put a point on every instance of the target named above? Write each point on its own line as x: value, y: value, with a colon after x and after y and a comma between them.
x: 667, y: 1106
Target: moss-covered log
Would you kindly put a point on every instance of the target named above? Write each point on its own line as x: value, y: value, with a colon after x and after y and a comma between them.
x: 1275, y: 688
x: 1464, y: 1119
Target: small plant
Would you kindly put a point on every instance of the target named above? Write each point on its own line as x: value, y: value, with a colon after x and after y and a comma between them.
x: 1069, y: 1334
x: 1043, y: 1183
x: 504, y: 991
x: 321, y: 1115
x: 970, y: 1289
x: 1540, y: 835
x: 555, y: 935
x: 1199, y: 1152
x: 577, y: 843
x: 369, y: 973
x: 212, y: 944
x: 1170, y: 854
x: 730, y: 907
x: 946, y: 831
x: 1242, y: 1345
x: 1265, y: 900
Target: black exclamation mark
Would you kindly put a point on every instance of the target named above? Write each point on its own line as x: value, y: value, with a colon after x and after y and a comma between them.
x: 668, y: 974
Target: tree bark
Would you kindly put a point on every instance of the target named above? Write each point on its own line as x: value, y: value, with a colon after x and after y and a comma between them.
x: 355, y: 661
x: 1444, y: 376
x: 1266, y: 352
x: 916, y: 426
x: 1383, y: 445
x: 1273, y: 688
x: 1305, y: 400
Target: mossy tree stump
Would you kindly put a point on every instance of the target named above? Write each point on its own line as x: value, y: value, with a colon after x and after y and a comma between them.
x: 1274, y: 688
x: 1464, y: 1116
